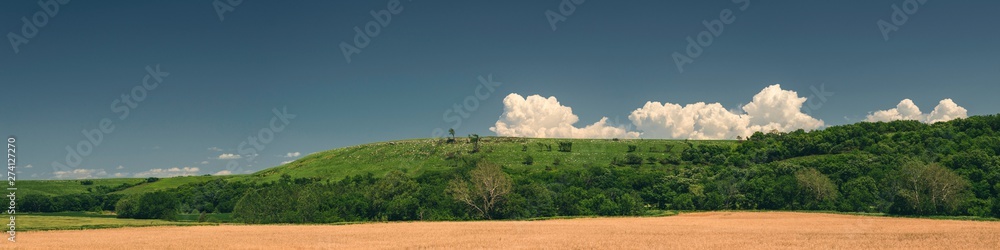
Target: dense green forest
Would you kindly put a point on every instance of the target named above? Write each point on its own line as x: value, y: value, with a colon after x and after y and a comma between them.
x: 899, y: 168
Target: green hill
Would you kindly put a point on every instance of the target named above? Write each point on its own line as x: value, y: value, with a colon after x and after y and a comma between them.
x: 412, y: 156
x: 418, y: 156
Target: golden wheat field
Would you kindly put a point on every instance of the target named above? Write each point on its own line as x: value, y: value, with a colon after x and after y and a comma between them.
x: 712, y: 230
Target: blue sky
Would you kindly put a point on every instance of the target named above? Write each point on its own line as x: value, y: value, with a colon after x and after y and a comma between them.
x: 606, y: 59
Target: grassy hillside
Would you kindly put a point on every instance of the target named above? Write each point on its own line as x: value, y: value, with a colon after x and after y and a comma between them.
x: 418, y: 156
x: 72, y: 187
x: 67, y: 187
x: 168, y: 183
x: 412, y: 156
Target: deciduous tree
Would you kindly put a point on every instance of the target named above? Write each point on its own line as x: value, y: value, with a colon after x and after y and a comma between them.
x: 485, y: 188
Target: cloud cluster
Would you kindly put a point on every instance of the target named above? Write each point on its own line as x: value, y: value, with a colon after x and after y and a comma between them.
x: 170, y: 172
x: 771, y: 109
x: 84, y: 173
x: 80, y: 173
x: 946, y: 110
x: 539, y: 117
x: 292, y: 154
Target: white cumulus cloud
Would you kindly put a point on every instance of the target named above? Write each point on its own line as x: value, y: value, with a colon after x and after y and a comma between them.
x: 905, y: 110
x: 223, y: 172
x: 229, y: 156
x: 169, y: 172
x: 777, y: 109
x: 946, y: 110
x: 694, y: 121
x: 292, y: 154
x: 80, y: 173
x: 771, y: 109
x: 536, y: 116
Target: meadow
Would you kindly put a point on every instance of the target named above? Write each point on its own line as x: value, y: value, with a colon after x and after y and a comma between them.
x: 78, y: 221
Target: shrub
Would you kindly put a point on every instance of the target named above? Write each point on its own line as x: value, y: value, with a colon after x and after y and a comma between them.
x: 632, y: 159
x: 565, y: 147
x: 474, y: 138
x: 672, y: 160
x: 652, y: 160
x: 632, y: 148
x: 528, y: 160
x: 127, y: 207
x: 87, y: 182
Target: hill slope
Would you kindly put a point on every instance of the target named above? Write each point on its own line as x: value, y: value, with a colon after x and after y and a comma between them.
x: 419, y: 156
x: 412, y: 156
